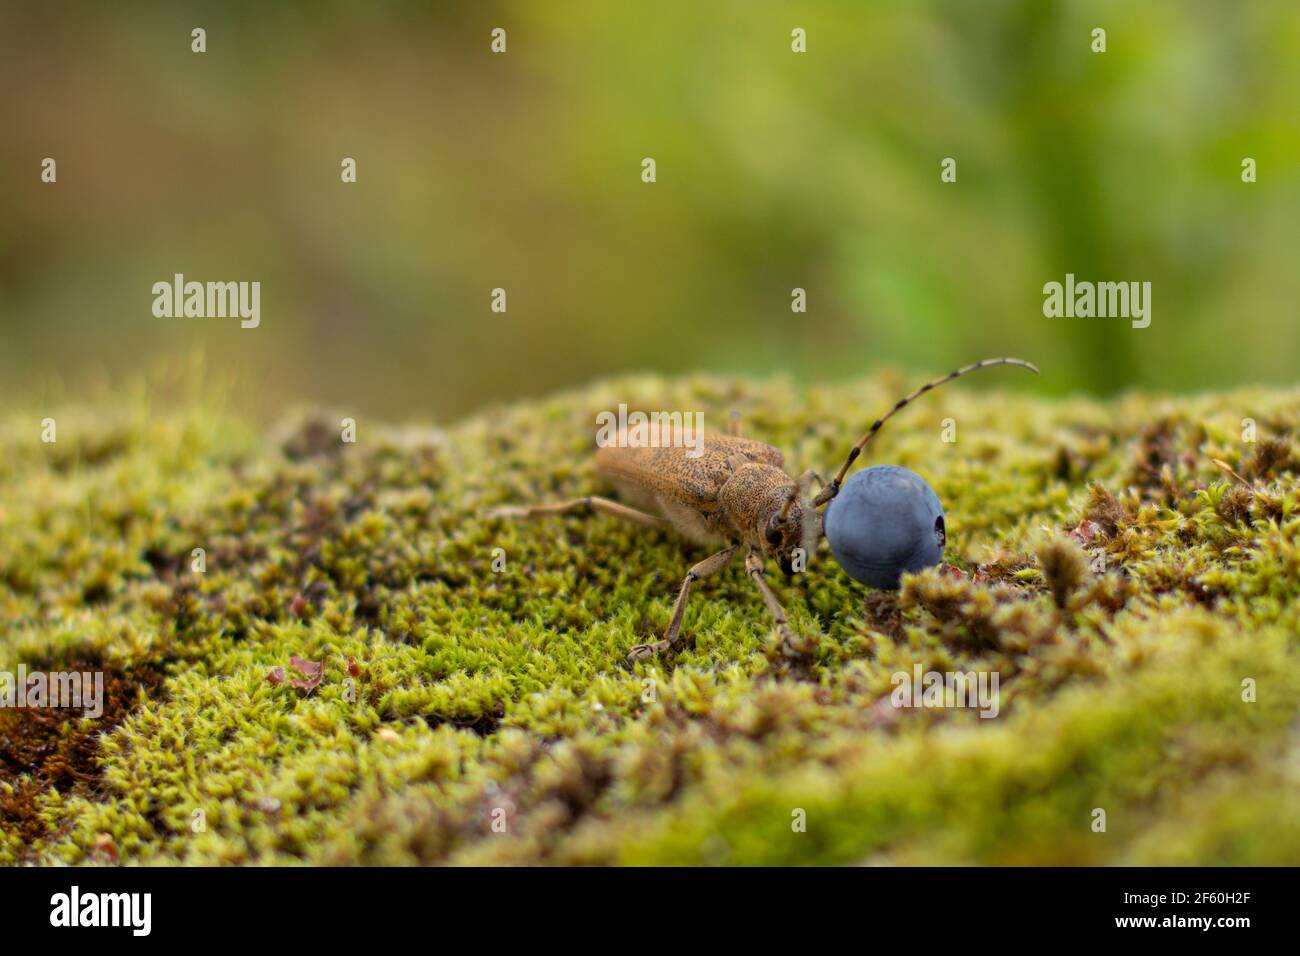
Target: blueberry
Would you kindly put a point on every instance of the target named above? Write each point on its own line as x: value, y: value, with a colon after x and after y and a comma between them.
x: 885, y: 520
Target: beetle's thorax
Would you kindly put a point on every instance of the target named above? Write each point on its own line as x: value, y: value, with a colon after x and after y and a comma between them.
x: 750, y: 497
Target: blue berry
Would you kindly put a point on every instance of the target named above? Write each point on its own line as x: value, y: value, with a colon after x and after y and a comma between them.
x: 885, y: 520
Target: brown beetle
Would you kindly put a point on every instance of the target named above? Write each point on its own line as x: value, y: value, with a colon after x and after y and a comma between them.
x: 736, y: 493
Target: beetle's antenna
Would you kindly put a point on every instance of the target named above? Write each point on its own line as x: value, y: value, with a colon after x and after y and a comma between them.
x: 832, y: 489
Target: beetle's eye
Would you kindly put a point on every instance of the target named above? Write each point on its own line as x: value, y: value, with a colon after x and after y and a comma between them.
x: 774, y: 535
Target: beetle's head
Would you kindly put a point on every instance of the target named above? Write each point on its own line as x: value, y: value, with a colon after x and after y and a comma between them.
x: 787, y: 527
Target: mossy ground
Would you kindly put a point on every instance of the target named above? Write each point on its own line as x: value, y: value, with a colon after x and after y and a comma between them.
x: 487, y: 698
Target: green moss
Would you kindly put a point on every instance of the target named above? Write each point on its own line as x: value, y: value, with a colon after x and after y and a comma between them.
x: 1120, y: 584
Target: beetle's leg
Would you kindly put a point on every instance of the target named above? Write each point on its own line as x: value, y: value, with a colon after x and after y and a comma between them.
x: 733, y: 424
x: 603, y: 505
x: 808, y: 477
x: 672, y: 636
x: 812, y: 529
x: 790, y: 646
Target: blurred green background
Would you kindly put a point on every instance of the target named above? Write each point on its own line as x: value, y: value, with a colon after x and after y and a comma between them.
x: 775, y: 170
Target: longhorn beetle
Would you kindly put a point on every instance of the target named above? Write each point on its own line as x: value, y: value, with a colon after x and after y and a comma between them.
x: 736, y: 493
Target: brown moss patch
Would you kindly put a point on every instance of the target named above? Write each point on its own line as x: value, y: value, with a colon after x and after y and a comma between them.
x: 44, y: 748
